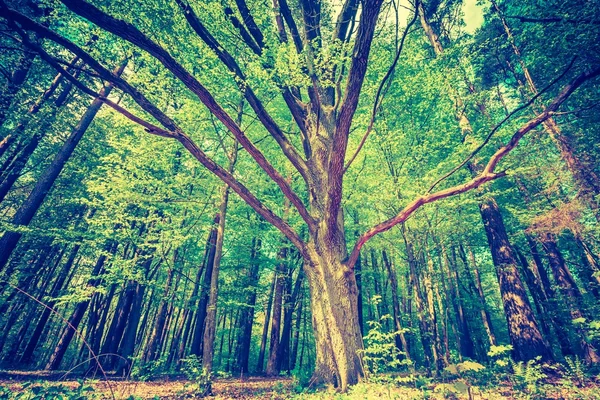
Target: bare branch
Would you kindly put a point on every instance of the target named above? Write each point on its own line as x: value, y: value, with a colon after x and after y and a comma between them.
x: 344, y: 19
x: 380, y: 94
x: 555, y: 20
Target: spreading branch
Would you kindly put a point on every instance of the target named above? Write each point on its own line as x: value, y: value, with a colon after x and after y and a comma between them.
x: 133, y: 35
x: 380, y: 92
x: 488, y: 174
x: 170, y: 130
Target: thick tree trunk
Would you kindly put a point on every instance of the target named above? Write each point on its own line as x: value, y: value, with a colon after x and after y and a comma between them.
x: 334, y: 306
x: 524, y: 333
x: 571, y: 294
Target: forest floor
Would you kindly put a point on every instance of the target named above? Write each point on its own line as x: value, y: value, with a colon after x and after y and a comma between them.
x: 38, y: 385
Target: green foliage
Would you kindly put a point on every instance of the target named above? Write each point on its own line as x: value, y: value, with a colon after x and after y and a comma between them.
x: 575, y: 370
x: 198, y: 376
x: 380, y: 352
x: 49, y: 391
x: 301, y: 379
x: 527, y: 376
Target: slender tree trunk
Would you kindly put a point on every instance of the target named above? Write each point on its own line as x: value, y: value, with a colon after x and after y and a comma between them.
x: 485, y: 314
x: 585, y: 177
x: 263, y: 342
x: 247, y: 314
x: 14, y: 82
x: 273, y: 362
x: 211, y: 310
x: 525, y: 336
x: 25, y: 214
x: 571, y: 294
x: 77, y: 315
x: 209, y: 262
x: 399, y: 338
x: 127, y: 346
x: 289, y: 306
x: 153, y: 347
x: 58, y: 285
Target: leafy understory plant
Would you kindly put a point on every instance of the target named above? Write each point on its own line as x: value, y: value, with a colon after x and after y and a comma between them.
x: 380, y: 353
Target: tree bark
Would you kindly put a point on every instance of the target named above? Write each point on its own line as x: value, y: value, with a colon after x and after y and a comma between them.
x: 523, y: 330
x: 399, y: 337
x: 273, y: 361
x: 247, y: 314
x: 571, y: 294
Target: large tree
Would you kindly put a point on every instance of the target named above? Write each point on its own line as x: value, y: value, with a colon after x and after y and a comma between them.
x: 328, y: 58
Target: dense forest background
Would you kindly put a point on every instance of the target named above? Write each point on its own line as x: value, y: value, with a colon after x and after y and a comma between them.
x: 122, y: 253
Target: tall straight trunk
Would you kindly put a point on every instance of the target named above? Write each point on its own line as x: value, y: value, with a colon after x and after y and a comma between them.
x: 41, y: 325
x: 523, y: 330
x: 28, y: 311
x: 584, y: 176
x: 25, y: 214
x: 127, y: 347
x: 10, y: 308
x: 247, y: 313
x: 208, y: 341
x: 290, y: 303
x: 78, y: 312
x: 538, y: 267
x: 188, y: 314
x: 399, y: 337
x: 485, y: 314
x: 524, y: 333
x: 97, y: 332
x: 273, y: 361
x: 153, y: 347
x: 571, y: 295
x: 431, y: 310
x: 546, y: 311
x: 425, y: 333
x: 590, y: 267
x: 115, y: 333
x: 467, y: 347
x: 209, y: 262
x: 15, y: 162
x: 263, y: 342
x: 297, y: 329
